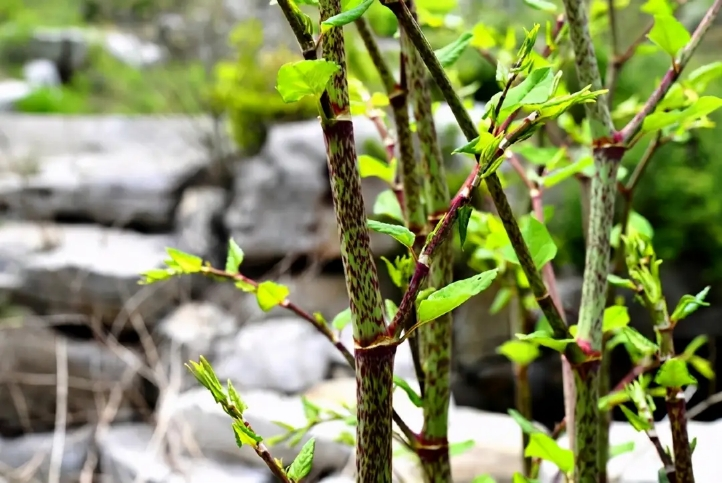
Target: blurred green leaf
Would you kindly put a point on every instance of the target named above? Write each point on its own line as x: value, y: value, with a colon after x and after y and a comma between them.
x: 701, y: 107
x: 637, y: 422
x: 462, y: 222
x: 355, y: 9
x: 370, y: 166
x: 413, y: 396
x: 503, y: 296
x: 297, y: 80
x: 449, y: 54
x: 688, y: 304
x: 669, y: 34
x: 234, y: 257
x: 544, y: 447
x: 540, y: 243
x: 400, y: 233
x: 388, y: 205
x: 269, y: 294
x: 186, y: 262
x: 546, y: 339
x: 342, y: 319
x: 526, y: 426
x: 301, y: 466
x: 674, y: 373
x: 245, y: 435
x: 615, y: 317
x: 542, y: 5
x: 519, y: 352
x: 703, y: 366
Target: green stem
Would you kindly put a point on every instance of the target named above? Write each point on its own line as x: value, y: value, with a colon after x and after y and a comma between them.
x: 587, y: 441
x: 435, y: 339
x: 375, y: 351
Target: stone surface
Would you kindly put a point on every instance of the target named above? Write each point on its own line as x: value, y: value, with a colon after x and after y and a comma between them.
x: 192, y: 330
x: 107, y: 169
x: 12, y: 91
x: 41, y: 73
x: 131, y: 50
x: 85, y: 269
x: 286, y: 355
x: 197, y: 219
x: 198, y: 414
x: 27, y: 378
x: 127, y: 455
x: 34, y: 450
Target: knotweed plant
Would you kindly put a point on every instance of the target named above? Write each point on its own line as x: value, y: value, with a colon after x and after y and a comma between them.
x: 528, y: 125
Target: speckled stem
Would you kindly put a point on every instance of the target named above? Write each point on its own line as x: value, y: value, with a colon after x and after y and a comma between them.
x: 607, y: 157
x: 374, y: 350
x: 435, y: 338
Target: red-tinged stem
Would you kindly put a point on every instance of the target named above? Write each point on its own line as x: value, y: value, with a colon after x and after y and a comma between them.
x: 633, y: 127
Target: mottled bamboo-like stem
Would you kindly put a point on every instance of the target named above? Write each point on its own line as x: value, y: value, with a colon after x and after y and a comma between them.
x: 590, y: 458
x: 493, y: 183
x: 374, y: 350
x: 435, y: 339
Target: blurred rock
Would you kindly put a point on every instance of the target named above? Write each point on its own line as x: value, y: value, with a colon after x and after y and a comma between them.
x: 127, y: 454
x: 131, y: 50
x: 27, y: 378
x: 193, y: 330
x: 85, y: 269
x: 41, y: 73
x: 197, y: 413
x: 106, y: 169
x: 34, y: 450
x: 67, y: 45
x: 197, y: 219
x: 12, y: 91
x: 286, y: 355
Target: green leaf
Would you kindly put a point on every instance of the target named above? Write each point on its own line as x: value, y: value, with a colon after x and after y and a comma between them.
x: 354, y: 12
x: 342, y: 319
x: 301, y: 466
x: 413, y: 397
x: 544, y: 447
x: 540, y: 243
x: 391, y: 308
x: 542, y: 5
x: 693, y: 346
x: 186, y: 262
x: 503, y: 296
x: 297, y: 80
x: 674, y: 373
x: 155, y: 275
x: 457, y: 449
x: 688, y: 304
x: 639, y: 342
x: 519, y: 478
x: 388, y: 205
x: 559, y: 175
x: 462, y: 222
x: 235, y: 398
x: 657, y: 7
x: 546, y: 339
x: 234, y: 257
x: 269, y: 294
x: 245, y: 286
x: 483, y: 479
x: 702, y: 76
x: 453, y: 295
x: 203, y: 372
x: 310, y: 410
x: 613, y: 399
x: 620, y: 282
x: 519, y: 352
x: 537, y: 88
x: 615, y: 317
x: 400, y: 233
x: 370, y: 166
x: 245, y: 435
x: 526, y: 426
x: 620, y: 449
x: 669, y: 34
x: 703, y: 106
x: 449, y: 54
x: 637, y: 422
x: 703, y: 366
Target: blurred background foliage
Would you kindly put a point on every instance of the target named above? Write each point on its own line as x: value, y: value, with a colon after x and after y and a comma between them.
x: 678, y: 195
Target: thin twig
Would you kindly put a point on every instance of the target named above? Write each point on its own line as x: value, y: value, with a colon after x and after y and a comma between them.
x: 61, y: 409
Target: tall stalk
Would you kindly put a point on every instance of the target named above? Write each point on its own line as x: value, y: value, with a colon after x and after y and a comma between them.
x: 435, y: 338
x: 374, y: 350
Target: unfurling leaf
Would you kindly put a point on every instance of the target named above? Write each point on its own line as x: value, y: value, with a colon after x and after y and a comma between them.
x: 342, y: 319
x: 449, y: 54
x: 235, y: 398
x: 542, y: 5
x: 519, y: 351
x: 185, y: 262
x: 297, y: 80
x: 669, y: 34
x: 540, y: 243
x: 674, y: 373
x: 637, y: 422
x: 245, y: 435
x: 412, y: 395
x: 615, y: 317
x: 453, y: 295
x: 536, y: 89
x: 400, y: 233
x: 546, y: 339
x: 620, y: 282
x: 370, y: 166
x: 301, y: 466
x: 354, y: 12
x: 234, y: 257
x: 269, y: 294
x: 689, y: 304
x: 462, y: 221
x: 544, y: 447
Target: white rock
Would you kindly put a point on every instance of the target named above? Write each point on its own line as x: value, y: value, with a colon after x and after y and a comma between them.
x: 41, y: 73
x: 12, y: 91
x: 287, y: 355
x: 205, y: 421
x: 131, y: 50
x: 127, y: 455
